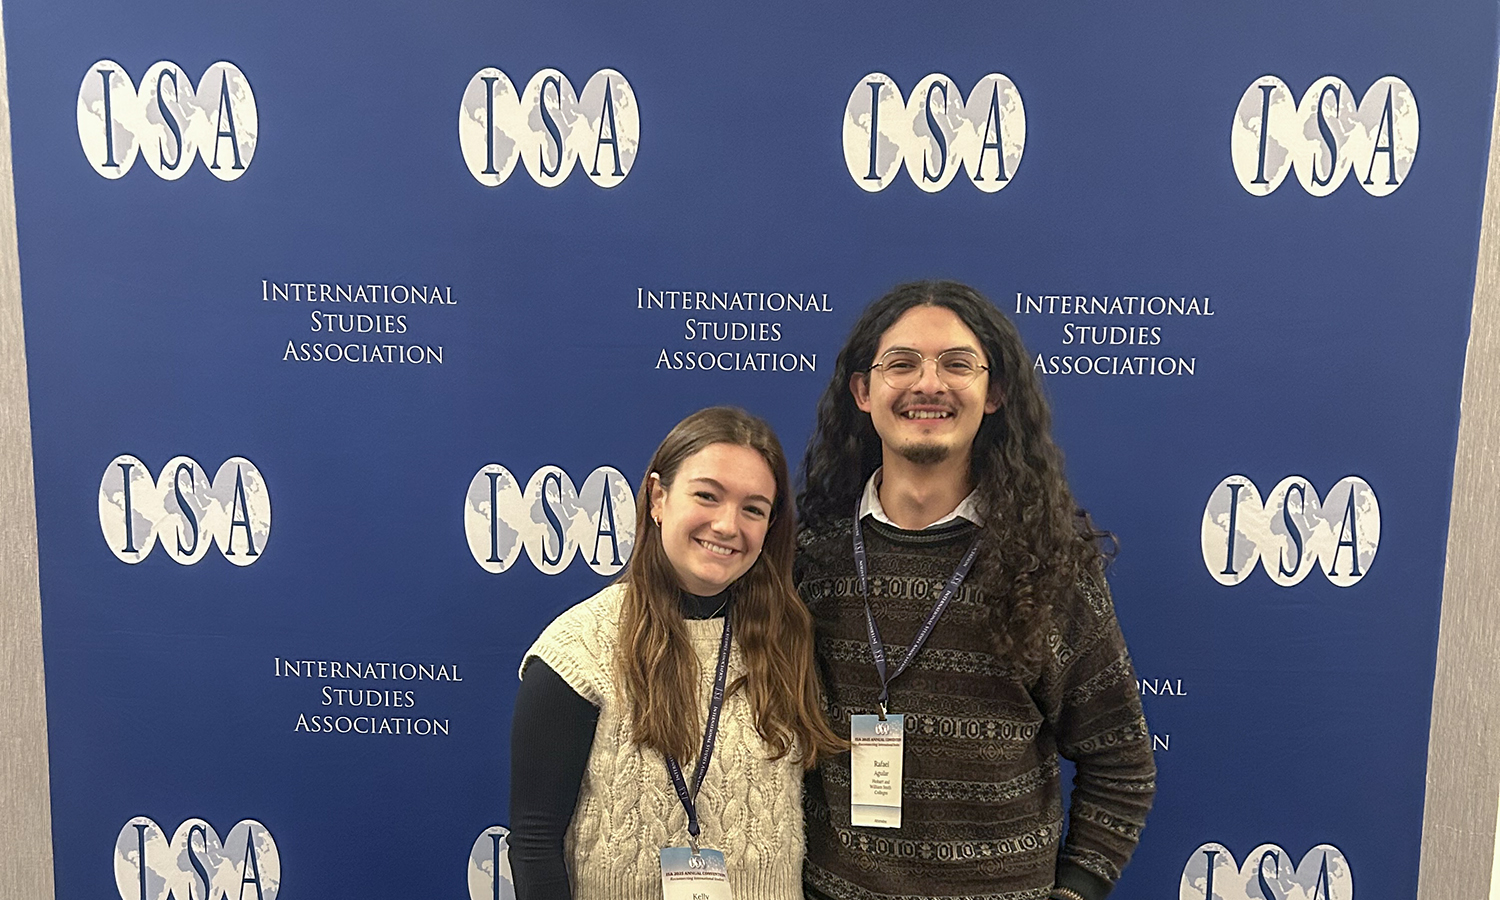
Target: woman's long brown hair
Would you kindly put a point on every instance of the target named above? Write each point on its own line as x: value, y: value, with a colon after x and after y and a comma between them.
x: 657, y: 665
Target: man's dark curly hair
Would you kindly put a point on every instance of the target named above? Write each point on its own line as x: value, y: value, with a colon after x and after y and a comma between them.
x: 1038, y: 543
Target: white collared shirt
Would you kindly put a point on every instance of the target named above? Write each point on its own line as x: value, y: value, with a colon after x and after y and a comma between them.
x: 869, y: 505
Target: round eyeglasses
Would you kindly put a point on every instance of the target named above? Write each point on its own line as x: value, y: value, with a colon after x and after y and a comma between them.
x: 956, y: 369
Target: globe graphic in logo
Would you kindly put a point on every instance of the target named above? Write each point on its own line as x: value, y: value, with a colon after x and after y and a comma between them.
x: 195, y: 862
x: 489, y: 866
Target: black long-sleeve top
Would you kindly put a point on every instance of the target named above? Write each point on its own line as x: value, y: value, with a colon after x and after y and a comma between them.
x: 551, y: 734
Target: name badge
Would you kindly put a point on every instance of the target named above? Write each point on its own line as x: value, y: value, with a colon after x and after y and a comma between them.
x: 686, y: 875
x: 875, y: 769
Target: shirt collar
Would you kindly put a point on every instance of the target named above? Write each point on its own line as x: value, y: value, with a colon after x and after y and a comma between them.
x: 869, y: 505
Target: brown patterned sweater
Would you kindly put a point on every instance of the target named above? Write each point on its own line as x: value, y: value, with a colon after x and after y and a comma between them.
x: 982, y: 814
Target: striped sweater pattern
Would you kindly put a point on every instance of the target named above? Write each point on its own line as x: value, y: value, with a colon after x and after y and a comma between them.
x: 982, y: 813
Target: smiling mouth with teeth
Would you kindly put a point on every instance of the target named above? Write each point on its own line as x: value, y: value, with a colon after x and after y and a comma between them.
x: 716, y: 549
x: 925, y: 414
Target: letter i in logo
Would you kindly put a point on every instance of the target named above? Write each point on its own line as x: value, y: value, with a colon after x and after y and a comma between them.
x: 109, y: 119
x: 872, y: 141
x: 493, y: 508
x: 128, y: 508
x: 1264, y: 136
x: 144, y: 864
x: 489, y: 118
x: 1233, y: 528
x: 489, y: 866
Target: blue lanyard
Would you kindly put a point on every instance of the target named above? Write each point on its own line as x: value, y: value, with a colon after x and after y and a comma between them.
x: 877, y: 646
x: 710, y: 737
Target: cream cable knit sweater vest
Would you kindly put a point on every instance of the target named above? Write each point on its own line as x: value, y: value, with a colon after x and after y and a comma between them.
x: 749, y: 807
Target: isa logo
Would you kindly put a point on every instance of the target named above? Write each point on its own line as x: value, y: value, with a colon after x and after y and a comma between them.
x: 489, y: 866
x: 1268, y: 873
x: 1291, y: 532
x: 934, y: 133
x: 195, y: 864
x: 1325, y: 136
x: 169, y: 121
x: 184, y: 509
x: 551, y: 519
x: 549, y: 127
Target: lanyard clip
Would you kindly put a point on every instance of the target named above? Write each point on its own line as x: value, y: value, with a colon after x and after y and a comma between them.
x: 693, y: 842
x: 881, y: 707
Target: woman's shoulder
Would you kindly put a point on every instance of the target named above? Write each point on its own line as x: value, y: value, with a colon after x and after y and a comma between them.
x: 601, y: 611
x: 581, y: 641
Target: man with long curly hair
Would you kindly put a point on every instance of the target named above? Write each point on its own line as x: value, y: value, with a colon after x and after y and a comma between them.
x: 964, y: 627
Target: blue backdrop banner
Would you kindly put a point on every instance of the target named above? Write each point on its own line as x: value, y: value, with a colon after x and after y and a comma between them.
x: 350, y: 331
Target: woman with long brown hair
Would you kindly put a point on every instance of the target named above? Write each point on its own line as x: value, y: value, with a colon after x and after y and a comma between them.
x: 623, y: 762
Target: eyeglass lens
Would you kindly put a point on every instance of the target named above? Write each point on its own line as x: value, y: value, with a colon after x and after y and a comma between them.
x: 956, y: 369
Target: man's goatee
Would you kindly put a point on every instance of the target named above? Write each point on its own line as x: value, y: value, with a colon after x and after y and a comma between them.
x: 924, y: 454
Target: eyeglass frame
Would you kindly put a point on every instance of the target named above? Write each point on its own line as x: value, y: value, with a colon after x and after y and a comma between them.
x: 922, y: 365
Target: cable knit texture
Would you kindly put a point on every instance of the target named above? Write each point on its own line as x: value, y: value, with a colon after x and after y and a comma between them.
x: 749, y: 807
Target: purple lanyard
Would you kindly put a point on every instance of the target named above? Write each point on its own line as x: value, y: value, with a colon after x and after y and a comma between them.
x: 710, y: 736
x: 877, y: 646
